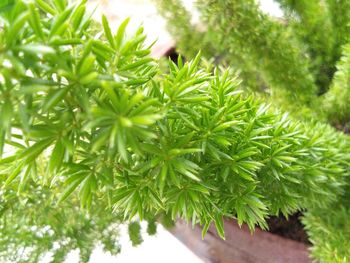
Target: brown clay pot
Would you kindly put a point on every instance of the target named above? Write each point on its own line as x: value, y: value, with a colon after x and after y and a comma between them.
x: 241, y: 246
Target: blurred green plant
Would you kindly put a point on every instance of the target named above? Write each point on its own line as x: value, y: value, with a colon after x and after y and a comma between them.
x: 329, y: 232
x: 96, y: 134
x: 291, y: 61
x: 135, y: 233
x: 32, y: 226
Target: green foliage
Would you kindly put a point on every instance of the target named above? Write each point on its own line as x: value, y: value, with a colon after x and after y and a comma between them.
x: 6, y: 5
x: 32, y: 226
x: 94, y: 132
x: 329, y: 232
x: 266, y: 41
x: 289, y: 60
x: 306, y: 18
x: 299, y: 62
x: 339, y: 12
x: 134, y: 229
x: 260, y: 46
x: 151, y: 227
x: 336, y: 101
x: 191, y: 38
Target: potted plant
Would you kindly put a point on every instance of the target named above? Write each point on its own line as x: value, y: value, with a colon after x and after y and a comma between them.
x: 94, y: 133
x: 298, y: 62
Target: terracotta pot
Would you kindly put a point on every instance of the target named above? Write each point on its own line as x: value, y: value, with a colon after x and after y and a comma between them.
x: 240, y: 245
